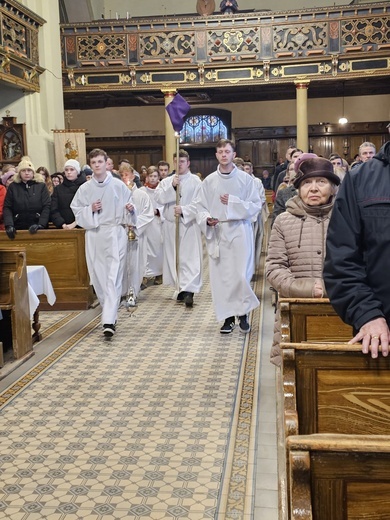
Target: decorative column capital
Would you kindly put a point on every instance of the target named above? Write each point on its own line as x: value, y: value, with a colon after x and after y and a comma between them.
x: 169, y: 92
x: 302, y: 83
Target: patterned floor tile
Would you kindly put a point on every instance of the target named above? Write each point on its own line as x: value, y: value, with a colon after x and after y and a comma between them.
x: 136, y: 427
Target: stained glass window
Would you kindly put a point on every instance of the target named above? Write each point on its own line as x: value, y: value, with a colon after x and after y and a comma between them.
x: 200, y: 129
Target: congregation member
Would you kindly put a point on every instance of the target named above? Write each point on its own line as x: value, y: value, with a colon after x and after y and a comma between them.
x: 61, y: 213
x: 42, y: 170
x: 284, y: 195
x: 282, y: 166
x: 367, y: 151
x: 297, y: 244
x: 103, y: 207
x: 358, y: 253
x: 8, y: 174
x: 266, y: 180
x: 143, y: 172
x: 294, y: 154
x: 27, y: 202
x: 87, y: 171
x: 336, y: 160
x: 111, y: 168
x: 228, y: 201
x: 137, y: 241
x: 187, y: 279
x: 56, y: 179
x: 154, y: 262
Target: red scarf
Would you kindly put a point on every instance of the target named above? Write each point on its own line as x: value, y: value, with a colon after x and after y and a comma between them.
x: 151, y: 187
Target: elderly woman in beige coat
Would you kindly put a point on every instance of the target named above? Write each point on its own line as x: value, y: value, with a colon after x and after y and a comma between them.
x: 297, y: 243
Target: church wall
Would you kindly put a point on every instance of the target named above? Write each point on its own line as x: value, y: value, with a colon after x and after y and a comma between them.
x: 42, y: 112
x: 115, y: 122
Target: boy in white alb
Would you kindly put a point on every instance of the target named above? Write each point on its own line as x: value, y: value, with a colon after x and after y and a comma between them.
x: 189, y: 277
x: 136, y: 248
x: 228, y: 202
x: 103, y: 206
x: 154, y: 263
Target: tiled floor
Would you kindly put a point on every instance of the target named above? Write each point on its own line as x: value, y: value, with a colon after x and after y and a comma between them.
x: 165, y: 421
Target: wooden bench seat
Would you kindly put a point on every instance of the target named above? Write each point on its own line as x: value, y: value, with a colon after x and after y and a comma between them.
x: 311, y: 319
x: 14, y: 302
x: 339, y: 477
x: 62, y: 252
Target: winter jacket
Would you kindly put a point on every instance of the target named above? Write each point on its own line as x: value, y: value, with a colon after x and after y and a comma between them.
x: 296, y: 255
x: 26, y: 204
x: 357, y: 266
x: 62, y: 197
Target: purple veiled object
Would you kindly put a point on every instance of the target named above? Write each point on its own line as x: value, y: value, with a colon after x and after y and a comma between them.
x: 177, y: 110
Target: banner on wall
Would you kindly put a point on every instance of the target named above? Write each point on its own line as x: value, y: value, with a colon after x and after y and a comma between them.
x: 69, y: 144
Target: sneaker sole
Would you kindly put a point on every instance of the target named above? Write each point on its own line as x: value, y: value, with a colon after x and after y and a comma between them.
x: 245, y: 331
x: 108, y: 333
x: 227, y: 331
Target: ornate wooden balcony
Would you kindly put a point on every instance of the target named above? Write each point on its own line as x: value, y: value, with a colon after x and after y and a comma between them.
x: 244, y: 49
x: 19, y: 59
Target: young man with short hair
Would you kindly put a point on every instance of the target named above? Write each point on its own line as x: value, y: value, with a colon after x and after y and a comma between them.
x: 188, y: 279
x: 228, y: 201
x: 163, y: 169
x: 103, y: 206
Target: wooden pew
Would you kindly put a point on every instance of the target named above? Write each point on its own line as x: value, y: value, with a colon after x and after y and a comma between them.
x: 62, y: 252
x: 339, y: 477
x: 14, y: 301
x: 334, y: 388
x: 329, y: 388
x: 311, y: 319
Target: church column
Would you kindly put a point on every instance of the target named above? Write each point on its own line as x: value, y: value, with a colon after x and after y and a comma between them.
x: 170, y: 141
x: 302, y: 126
x: 45, y: 110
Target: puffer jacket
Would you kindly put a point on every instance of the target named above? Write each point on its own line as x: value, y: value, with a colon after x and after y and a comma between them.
x: 296, y: 255
x: 27, y: 203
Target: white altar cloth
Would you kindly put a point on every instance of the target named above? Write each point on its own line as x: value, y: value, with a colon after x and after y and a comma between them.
x: 39, y: 283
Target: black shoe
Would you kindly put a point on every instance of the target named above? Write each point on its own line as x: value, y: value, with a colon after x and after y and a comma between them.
x: 243, y: 324
x: 189, y: 299
x: 228, y: 326
x: 109, y: 330
x: 180, y: 296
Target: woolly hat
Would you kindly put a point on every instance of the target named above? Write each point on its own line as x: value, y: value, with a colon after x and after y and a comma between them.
x: 87, y: 170
x: 7, y: 176
x: 74, y: 164
x: 310, y: 165
x: 25, y: 164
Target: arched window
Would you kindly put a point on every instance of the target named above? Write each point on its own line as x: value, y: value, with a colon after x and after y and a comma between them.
x: 205, y: 126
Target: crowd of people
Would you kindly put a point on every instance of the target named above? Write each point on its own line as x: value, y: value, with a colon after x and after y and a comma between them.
x: 148, y: 226
x: 330, y: 236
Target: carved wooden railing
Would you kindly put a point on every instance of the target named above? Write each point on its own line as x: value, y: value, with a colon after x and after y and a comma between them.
x: 188, y: 52
x: 19, y: 59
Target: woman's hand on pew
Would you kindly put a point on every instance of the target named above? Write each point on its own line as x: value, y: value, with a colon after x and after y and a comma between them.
x: 373, y: 334
x: 11, y: 232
